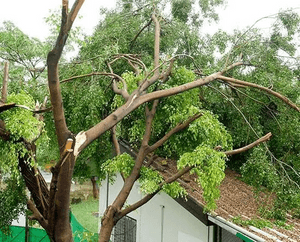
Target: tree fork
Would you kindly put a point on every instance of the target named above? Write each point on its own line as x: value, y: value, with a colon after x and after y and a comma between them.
x: 107, y: 224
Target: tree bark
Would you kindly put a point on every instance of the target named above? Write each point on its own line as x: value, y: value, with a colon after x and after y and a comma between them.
x: 4, y: 85
x: 62, y: 228
x: 107, y: 224
x: 95, y: 188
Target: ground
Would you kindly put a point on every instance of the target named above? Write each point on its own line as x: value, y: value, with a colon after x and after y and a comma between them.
x: 85, y: 208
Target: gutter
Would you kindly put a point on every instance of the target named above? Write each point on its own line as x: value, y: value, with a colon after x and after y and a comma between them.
x: 234, y: 229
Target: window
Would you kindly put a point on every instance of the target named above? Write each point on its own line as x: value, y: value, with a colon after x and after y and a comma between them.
x: 125, y: 230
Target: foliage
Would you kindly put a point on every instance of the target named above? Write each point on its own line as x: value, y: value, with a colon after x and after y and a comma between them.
x: 249, y: 114
x: 261, y: 223
x: 209, y: 166
x: 122, y: 163
x: 174, y: 190
x: 22, y: 125
x: 259, y: 171
x: 149, y: 180
x: 258, y: 223
x: 12, y: 201
x: 15, y: 118
x: 15, y: 45
x: 230, y: 116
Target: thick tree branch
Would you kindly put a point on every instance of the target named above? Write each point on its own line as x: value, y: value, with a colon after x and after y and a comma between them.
x: 134, y: 101
x: 62, y: 131
x: 4, y: 84
x: 265, y: 89
x: 37, y: 215
x: 156, y: 43
x: 125, y: 191
x: 4, y: 134
x: 4, y: 107
x: 165, y: 76
x: 149, y: 119
x: 250, y: 146
x: 123, y: 92
x: 155, y: 77
x: 115, y: 141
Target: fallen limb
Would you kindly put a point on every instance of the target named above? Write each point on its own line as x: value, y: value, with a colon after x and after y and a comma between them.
x: 250, y: 146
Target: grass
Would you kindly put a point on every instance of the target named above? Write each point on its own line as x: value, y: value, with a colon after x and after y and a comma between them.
x: 83, y: 213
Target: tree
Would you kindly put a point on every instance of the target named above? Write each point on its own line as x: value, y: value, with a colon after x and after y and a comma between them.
x: 142, y: 92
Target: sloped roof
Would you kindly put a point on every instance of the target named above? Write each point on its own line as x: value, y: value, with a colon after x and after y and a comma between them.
x: 237, y: 200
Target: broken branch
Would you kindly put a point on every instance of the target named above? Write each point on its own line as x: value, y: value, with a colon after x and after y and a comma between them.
x: 250, y: 146
x: 92, y: 74
x: 250, y: 84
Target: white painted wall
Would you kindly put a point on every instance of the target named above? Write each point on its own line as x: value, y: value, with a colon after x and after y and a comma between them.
x: 162, y: 219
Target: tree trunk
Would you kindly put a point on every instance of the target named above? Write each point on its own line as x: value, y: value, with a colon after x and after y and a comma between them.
x: 62, y: 227
x: 95, y: 188
x: 107, y: 224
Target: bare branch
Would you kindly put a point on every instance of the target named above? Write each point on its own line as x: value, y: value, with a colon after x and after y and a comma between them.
x: 123, y: 92
x: 137, y: 35
x: 44, y: 110
x: 250, y: 146
x: 73, y: 13
x: 149, y: 119
x: 164, y: 77
x: 5, y: 107
x: 92, y: 74
x: 249, y: 84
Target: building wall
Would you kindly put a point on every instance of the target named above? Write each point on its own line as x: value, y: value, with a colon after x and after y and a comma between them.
x: 162, y: 219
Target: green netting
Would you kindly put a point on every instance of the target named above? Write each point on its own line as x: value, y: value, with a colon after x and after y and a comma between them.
x: 80, y: 233
x: 17, y: 234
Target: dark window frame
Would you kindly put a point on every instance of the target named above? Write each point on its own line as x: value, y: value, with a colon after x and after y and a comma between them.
x: 125, y: 230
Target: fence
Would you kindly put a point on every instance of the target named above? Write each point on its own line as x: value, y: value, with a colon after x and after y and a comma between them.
x: 17, y: 234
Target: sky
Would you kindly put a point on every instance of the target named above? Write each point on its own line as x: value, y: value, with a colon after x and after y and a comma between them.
x: 29, y: 15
